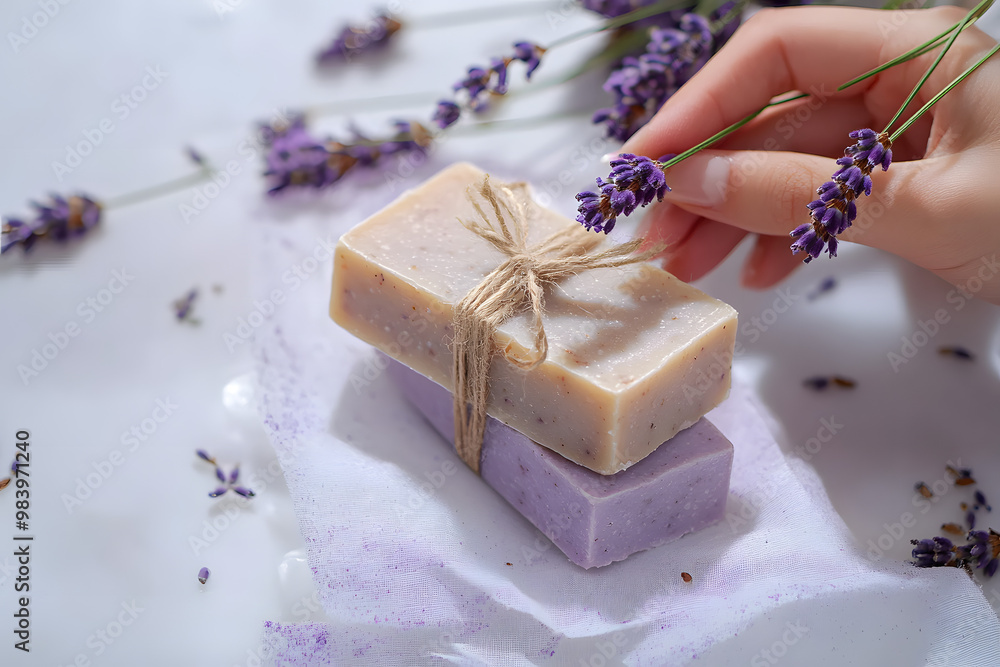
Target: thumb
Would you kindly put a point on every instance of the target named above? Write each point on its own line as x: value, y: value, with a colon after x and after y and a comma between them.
x: 767, y: 191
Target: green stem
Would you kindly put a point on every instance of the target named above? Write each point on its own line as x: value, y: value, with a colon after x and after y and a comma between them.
x: 726, y: 132
x: 624, y: 19
x: 161, y: 189
x: 915, y: 52
x: 934, y: 100
x: 930, y: 70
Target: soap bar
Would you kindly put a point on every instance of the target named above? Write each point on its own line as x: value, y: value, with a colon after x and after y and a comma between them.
x: 594, y: 519
x: 634, y: 354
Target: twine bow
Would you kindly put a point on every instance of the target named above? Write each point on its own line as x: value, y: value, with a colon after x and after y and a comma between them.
x: 516, y: 284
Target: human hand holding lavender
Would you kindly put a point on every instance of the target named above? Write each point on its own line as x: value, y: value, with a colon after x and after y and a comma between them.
x: 935, y: 207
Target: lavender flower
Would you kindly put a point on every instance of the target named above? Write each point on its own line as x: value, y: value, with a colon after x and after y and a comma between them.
x: 956, y: 351
x: 411, y: 137
x: 835, y: 210
x: 641, y: 85
x: 446, y: 114
x: 59, y: 219
x: 221, y: 475
x: 933, y: 552
x: 352, y: 41
x: 609, y: 8
x: 977, y: 552
x: 203, y: 455
x: 234, y: 475
x: 634, y: 181
x: 296, y: 159
x: 218, y: 492
x: 479, y: 82
x: 203, y: 575
x: 246, y: 493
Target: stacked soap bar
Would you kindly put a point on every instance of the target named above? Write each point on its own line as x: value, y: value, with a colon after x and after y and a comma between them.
x: 602, y: 446
x: 594, y: 519
x: 634, y: 355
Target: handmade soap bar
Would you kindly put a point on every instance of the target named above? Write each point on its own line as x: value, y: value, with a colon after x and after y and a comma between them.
x: 594, y: 519
x: 634, y: 355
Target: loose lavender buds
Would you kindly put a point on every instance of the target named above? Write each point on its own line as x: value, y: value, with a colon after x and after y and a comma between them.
x: 634, y: 181
x: 203, y: 575
x: 835, y: 210
x: 353, y: 41
x: 184, y: 306
x: 60, y: 219
x: 228, y: 481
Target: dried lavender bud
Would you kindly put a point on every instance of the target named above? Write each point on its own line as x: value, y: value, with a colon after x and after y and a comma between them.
x: 234, y: 475
x: 923, y: 490
x: 530, y: 54
x: 634, y: 181
x: 835, y: 210
x: 933, y: 552
x: 203, y: 455
x: 818, y: 383
x: 221, y: 475
x: 970, y: 518
x: 218, y: 492
x: 991, y: 567
x: 246, y: 493
x: 956, y: 351
x: 846, y: 383
x: 411, y: 137
x: 977, y: 552
x: 446, y: 114
x: 353, y: 41
x: 59, y: 219
x: 184, y: 305
x: 13, y: 467
x: 953, y: 528
x: 203, y: 574
x: 686, y: 577
x: 965, y: 506
x: 195, y: 156
x: 981, y: 499
x: 4, y: 482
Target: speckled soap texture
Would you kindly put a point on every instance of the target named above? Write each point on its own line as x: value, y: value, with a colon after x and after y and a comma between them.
x: 634, y: 355
x: 594, y: 519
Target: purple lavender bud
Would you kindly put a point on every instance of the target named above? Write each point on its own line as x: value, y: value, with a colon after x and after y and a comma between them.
x: 246, y: 493
x: 296, y: 159
x: 530, y: 54
x: 203, y: 575
x: 970, y: 518
x: 195, y: 156
x: 634, y: 181
x: 183, y: 306
x: 13, y: 467
x: 203, y: 455
x: 981, y: 499
x: 234, y: 475
x: 608, y: 8
x: 221, y: 475
x: 933, y: 552
x: 353, y: 41
x: 59, y: 219
x: 218, y: 492
x: 818, y: 383
x: 446, y: 114
x: 991, y: 567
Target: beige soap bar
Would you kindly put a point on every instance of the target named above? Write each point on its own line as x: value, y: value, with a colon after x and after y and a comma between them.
x: 635, y: 355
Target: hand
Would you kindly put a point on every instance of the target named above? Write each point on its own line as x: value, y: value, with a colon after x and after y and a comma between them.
x: 938, y: 206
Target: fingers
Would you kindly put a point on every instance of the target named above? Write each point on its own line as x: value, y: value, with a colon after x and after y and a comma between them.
x: 769, y: 263
x: 812, y: 49
x: 706, y: 245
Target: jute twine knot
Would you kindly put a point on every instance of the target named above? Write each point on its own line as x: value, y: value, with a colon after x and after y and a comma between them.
x: 517, y: 284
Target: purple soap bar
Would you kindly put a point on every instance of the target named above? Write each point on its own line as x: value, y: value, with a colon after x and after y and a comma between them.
x: 594, y: 519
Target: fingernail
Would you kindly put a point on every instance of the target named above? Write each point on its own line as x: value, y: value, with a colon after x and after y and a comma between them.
x: 700, y: 180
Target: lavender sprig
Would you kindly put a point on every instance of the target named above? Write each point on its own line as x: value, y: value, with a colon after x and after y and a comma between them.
x: 59, y: 219
x: 634, y: 181
x: 480, y: 82
x: 836, y: 208
x: 353, y: 41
